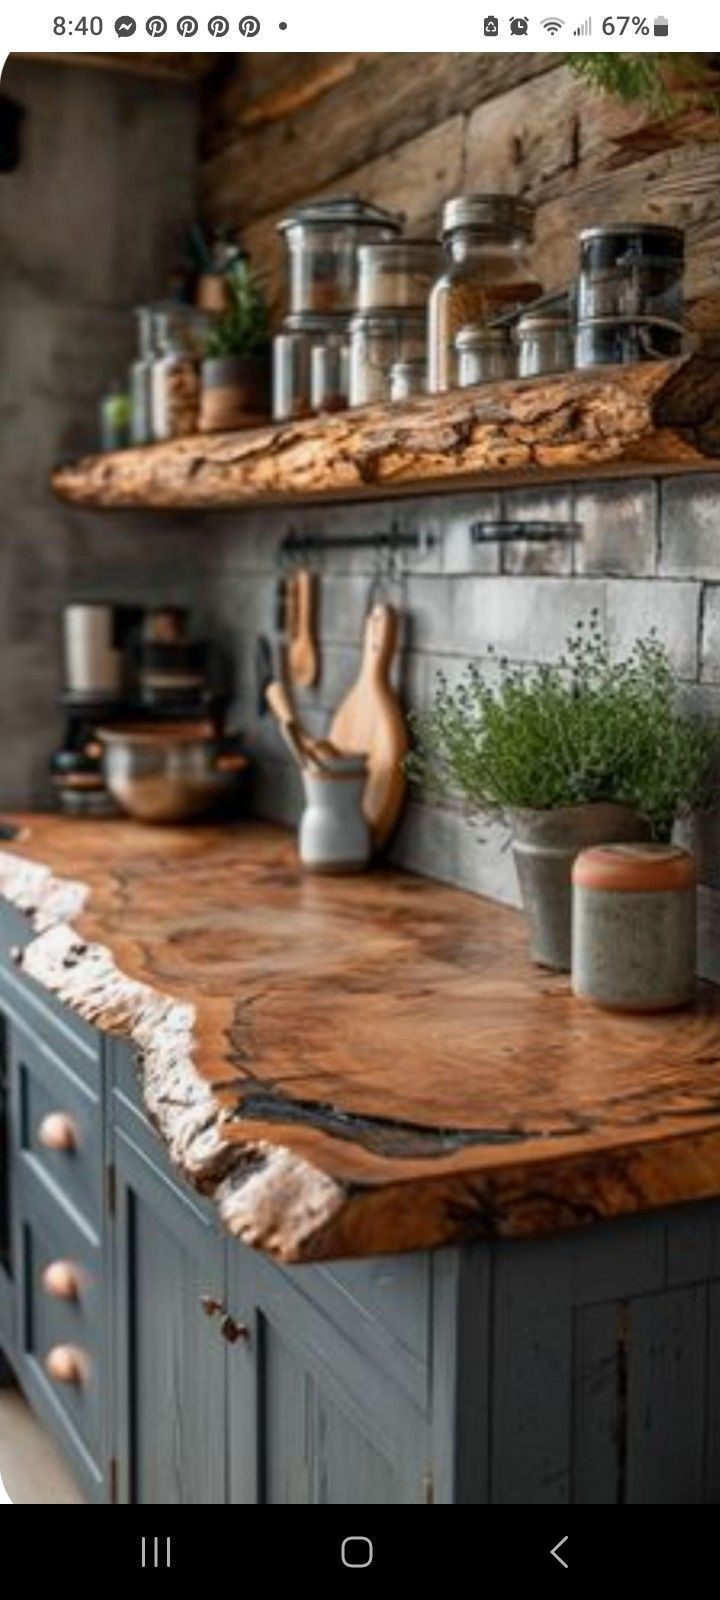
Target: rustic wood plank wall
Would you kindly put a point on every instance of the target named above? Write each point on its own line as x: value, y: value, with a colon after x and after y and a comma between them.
x: 407, y: 130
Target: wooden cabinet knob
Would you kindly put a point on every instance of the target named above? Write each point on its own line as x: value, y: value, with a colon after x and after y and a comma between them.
x: 66, y: 1364
x: 232, y: 1330
x: 61, y: 1280
x: 57, y: 1131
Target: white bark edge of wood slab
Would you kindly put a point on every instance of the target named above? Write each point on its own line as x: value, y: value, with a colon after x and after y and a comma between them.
x: 275, y: 1205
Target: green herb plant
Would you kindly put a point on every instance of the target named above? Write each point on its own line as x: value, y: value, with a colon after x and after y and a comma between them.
x: 584, y: 729
x: 644, y: 78
x: 244, y: 329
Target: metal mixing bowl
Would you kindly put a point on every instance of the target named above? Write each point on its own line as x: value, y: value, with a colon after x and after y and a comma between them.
x: 169, y: 772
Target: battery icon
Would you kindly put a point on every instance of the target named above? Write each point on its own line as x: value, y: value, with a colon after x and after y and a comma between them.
x: 660, y: 27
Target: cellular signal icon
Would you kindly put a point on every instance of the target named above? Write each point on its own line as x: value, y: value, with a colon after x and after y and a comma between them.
x: 584, y: 30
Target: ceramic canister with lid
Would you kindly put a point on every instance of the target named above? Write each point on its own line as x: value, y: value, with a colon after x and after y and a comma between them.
x: 634, y: 940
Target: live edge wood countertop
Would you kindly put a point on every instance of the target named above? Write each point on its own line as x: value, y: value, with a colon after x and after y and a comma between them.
x: 363, y: 1064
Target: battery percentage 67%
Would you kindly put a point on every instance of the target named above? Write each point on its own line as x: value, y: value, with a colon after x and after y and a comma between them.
x: 639, y: 25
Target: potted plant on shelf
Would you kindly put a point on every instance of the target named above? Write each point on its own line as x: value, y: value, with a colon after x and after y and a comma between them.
x: 586, y: 751
x: 236, y: 368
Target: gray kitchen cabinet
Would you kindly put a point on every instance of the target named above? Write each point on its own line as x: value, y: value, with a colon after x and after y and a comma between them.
x: 567, y: 1370
x: 169, y: 1355
x: 313, y: 1419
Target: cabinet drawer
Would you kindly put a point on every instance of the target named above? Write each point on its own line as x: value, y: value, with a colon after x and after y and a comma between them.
x: 61, y: 1337
x: 59, y: 1124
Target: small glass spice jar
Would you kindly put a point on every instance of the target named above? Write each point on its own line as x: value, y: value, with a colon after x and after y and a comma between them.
x: 630, y: 293
x: 398, y: 272
x: 483, y: 355
x: 408, y: 378
x: 634, y: 918
x: 322, y: 242
x: 544, y: 344
x: 175, y: 378
x: 486, y: 241
x: 295, y: 394
x: 378, y: 339
x: 329, y: 375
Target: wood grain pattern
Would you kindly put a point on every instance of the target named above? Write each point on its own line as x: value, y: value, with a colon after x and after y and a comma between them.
x: 654, y: 416
x: 355, y: 1066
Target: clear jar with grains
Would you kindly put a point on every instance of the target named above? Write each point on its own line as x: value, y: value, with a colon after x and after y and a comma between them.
x: 175, y: 376
x: 399, y: 272
x: 322, y: 242
x: 378, y: 340
x: 544, y: 344
x: 301, y: 379
x: 484, y: 355
x: 486, y: 239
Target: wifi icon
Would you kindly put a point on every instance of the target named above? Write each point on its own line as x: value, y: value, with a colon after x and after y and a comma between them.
x: 552, y: 24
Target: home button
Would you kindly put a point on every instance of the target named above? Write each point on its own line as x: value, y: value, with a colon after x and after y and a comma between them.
x: 356, y: 1552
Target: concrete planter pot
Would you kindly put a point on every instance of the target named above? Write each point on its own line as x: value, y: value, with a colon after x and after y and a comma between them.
x: 545, y: 844
x: 235, y: 392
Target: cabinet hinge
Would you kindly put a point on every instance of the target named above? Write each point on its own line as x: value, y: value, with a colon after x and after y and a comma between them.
x: 428, y: 1490
x: 113, y: 1480
x: 110, y: 1189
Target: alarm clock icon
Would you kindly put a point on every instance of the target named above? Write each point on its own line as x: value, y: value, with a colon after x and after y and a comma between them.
x: 518, y: 25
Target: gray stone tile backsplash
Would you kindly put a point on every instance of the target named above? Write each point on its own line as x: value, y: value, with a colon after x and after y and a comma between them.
x: 648, y: 557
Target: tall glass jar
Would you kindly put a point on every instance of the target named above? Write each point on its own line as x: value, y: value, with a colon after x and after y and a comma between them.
x: 175, y: 378
x: 486, y: 240
x: 141, y: 425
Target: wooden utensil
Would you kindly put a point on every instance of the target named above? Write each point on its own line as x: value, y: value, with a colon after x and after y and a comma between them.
x: 370, y: 722
x: 301, y: 591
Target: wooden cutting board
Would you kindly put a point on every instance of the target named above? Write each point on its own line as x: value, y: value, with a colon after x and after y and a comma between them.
x: 370, y: 722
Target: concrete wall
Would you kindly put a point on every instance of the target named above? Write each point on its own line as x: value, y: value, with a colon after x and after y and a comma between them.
x: 650, y: 557
x: 89, y: 224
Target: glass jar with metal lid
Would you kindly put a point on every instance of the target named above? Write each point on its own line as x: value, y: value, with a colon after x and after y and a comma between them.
x: 484, y: 354
x: 544, y: 343
x: 378, y: 339
x: 408, y: 378
x: 175, y: 375
x: 296, y: 368
x: 322, y: 241
x: 486, y: 240
x: 397, y: 272
x: 630, y: 293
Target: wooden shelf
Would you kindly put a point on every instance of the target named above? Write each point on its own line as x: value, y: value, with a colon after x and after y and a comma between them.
x: 654, y: 418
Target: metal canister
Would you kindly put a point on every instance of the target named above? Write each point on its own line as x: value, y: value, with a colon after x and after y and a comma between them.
x: 543, y: 344
x: 484, y: 354
x: 634, y: 938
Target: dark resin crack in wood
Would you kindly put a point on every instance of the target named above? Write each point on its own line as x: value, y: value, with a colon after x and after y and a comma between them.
x: 661, y: 416
x: 360, y: 1065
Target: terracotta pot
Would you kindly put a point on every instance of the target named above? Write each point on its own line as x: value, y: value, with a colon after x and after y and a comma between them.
x: 545, y: 844
x: 235, y: 392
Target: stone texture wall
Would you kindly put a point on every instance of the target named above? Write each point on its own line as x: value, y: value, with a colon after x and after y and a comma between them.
x: 649, y: 557
x: 89, y: 225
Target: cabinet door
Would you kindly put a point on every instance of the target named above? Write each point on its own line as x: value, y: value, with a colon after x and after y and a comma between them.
x: 7, y: 1293
x: 312, y: 1420
x: 170, y: 1356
